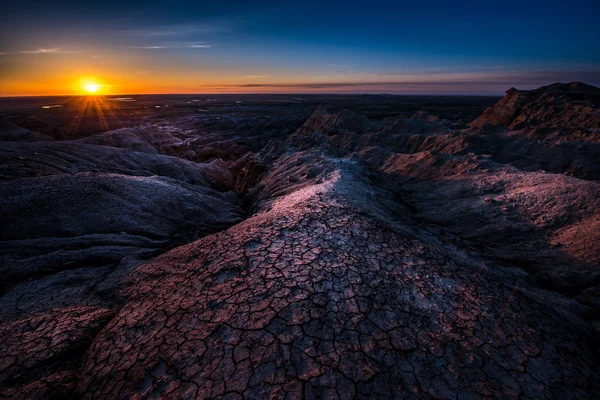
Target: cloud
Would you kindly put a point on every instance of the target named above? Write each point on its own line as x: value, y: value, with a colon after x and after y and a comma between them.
x: 341, y: 65
x: 180, y: 30
x: 40, y: 51
x: 55, y: 50
x: 477, y: 83
x: 192, y: 45
x: 147, y: 47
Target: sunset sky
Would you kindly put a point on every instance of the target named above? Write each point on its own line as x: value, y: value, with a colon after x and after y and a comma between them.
x: 417, y: 47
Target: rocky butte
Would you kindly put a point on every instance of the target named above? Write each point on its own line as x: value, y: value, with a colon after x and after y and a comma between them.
x: 352, y: 257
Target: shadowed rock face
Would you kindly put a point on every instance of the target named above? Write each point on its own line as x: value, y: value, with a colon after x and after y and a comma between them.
x: 11, y: 132
x: 114, y: 212
x: 26, y: 160
x: 400, y: 258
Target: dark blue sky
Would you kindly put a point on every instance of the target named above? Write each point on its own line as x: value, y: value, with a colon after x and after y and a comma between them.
x: 430, y: 46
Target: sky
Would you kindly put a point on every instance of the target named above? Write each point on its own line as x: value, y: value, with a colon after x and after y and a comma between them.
x: 369, y: 46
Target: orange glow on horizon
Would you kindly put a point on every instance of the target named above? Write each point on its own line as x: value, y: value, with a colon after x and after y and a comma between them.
x: 131, y: 80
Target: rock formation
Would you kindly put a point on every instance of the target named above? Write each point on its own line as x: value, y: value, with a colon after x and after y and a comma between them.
x: 572, y: 107
x: 354, y: 257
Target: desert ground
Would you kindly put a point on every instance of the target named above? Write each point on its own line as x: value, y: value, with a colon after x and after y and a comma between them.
x: 301, y: 246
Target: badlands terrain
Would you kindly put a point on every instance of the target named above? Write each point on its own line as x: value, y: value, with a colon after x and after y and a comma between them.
x: 249, y: 247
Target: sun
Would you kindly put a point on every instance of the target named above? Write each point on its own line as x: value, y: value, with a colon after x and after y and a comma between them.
x: 91, y: 87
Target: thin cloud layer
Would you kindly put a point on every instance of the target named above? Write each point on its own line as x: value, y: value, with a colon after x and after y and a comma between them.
x: 174, y: 46
x: 49, y: 51
x: 418, y: 84
x: 341, y: 65
x: 180, y: 30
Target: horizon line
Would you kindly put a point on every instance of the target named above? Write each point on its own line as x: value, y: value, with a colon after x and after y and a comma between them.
x: 259, y: 93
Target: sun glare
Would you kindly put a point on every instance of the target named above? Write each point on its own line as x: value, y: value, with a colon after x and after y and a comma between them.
x: 92, y: 87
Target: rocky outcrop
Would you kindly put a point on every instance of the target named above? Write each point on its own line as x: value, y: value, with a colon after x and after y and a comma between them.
x: 558, y: 142
x: 150, y: 139
x: 321, y: 123
x: 574, y: 106
x: 420, y: 123
x: 25, y: 160
x: 199, y: 139
x: 400, y: 133
x: 537, y: 221
x: 577, y: 158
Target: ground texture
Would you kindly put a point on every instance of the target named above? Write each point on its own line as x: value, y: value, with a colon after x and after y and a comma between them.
x: 405, y: 257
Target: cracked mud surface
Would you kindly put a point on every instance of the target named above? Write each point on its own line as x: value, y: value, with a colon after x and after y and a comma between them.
x: 321, y: 299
